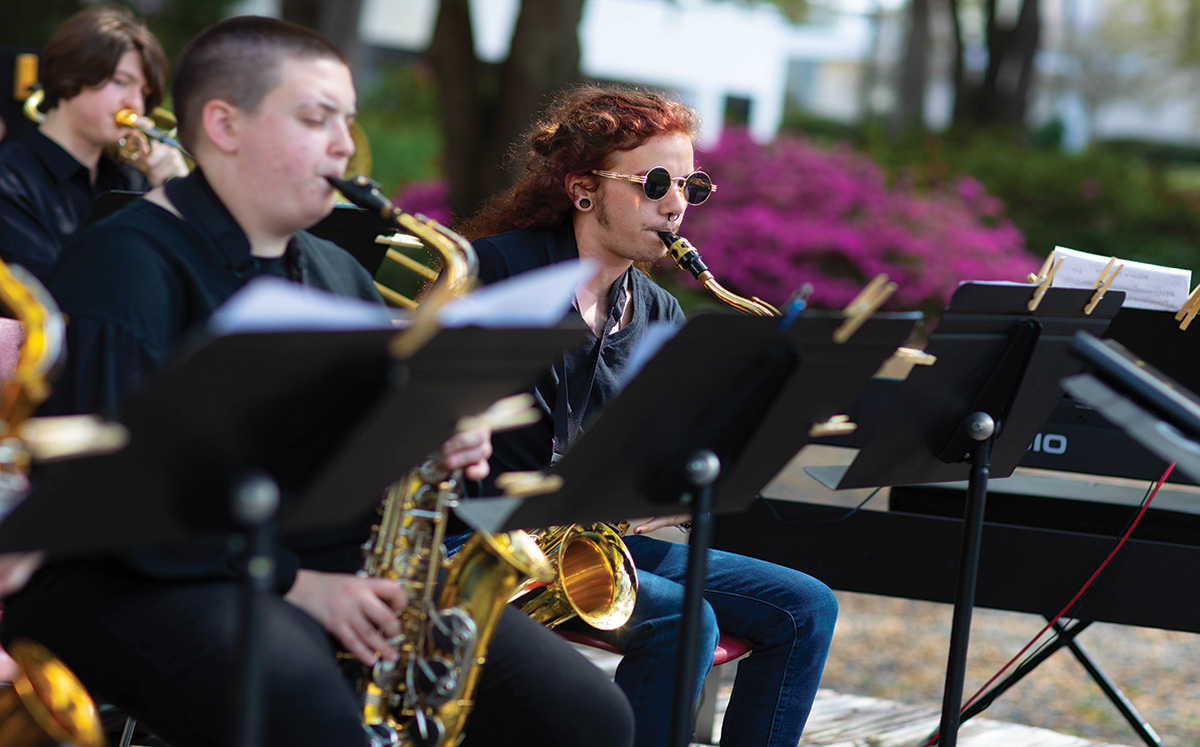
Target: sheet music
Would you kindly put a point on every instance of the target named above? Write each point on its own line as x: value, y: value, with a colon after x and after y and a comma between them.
x: 1146, y: 286
x: 272, y: 304
x: 538, y: 298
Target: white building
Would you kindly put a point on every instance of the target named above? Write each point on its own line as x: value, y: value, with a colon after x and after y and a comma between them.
x: 717, y: 54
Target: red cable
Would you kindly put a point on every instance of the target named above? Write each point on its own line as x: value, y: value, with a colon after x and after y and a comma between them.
x: 1145, y: 505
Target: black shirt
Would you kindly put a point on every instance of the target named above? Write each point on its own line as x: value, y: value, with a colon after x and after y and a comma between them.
x: 136, y: 283
x: 588, y: 377
x: 46, y: 197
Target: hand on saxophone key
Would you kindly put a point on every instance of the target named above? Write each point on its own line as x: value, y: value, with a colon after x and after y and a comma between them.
x: 468, y: 450
x: 359, y: 612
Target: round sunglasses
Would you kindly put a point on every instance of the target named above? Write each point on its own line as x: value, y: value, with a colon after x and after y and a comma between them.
x: 696, y: 186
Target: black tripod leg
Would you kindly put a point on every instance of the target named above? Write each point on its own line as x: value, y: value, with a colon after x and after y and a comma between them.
x: 1063, y: 637
x: 1136, y: 721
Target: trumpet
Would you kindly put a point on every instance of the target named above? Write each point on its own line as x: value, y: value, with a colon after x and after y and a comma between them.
x: 133, y: 148
x: 144, y: 130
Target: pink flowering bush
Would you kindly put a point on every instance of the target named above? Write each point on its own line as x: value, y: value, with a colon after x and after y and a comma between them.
x: 429, y: 198
x: 789, y: 213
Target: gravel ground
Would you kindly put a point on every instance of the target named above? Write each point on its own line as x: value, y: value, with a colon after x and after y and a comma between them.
x: 896, y: 649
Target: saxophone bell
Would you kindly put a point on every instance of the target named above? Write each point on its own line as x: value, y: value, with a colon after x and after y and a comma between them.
x: 46, y: 704
x: 595, y: 578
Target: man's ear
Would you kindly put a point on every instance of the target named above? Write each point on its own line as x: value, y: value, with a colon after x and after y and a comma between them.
x: 578, y: 186
x: 222, y: 124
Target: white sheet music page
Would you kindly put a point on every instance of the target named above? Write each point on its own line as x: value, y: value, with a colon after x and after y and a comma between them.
x: 538, y: 298
x: 1146, y: 286
x: 272, y: 304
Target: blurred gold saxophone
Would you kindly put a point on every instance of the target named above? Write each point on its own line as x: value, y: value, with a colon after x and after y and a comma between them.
x: 424, y: 699
x: 45, y: 704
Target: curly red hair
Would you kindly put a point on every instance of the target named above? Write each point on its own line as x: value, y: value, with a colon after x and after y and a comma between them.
x: 579, y: 132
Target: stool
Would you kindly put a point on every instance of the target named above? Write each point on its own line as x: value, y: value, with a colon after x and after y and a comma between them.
x: 729, y: 648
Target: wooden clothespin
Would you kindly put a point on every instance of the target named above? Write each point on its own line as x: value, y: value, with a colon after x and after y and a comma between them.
x: 914, y: 356
x: 1041, y: 274
x: 1101, y: 284
x: 1043, y: 282
x: 1187, y: 312
x: 525, y: 484
x: 838, y: 425
x: 863, y: 306
x: 506, y: 413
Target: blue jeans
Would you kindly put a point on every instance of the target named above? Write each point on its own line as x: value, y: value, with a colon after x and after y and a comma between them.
x: 788, y: 615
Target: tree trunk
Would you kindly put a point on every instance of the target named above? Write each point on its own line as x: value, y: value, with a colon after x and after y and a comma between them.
x: 1002, y: 96
x: 301, y: 12
x: 460, y: 99
x: 337, y: 21
x: 543, y: 59
x: 485, y: 110
x: 959, y: 75
x: 914, y: 71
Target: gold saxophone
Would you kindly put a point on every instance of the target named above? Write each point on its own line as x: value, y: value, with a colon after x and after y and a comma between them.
x: 45, y: 704
x: 687, y: 258
x: 424, y: 698
x: 595, y: 575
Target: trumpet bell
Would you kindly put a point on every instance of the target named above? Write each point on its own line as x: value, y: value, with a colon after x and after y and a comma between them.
x: 46, y: 704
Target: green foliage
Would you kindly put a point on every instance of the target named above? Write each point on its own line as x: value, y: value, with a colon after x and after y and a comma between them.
x: 399, y: 116
x: 174, y: 22
x: 1107, y: 200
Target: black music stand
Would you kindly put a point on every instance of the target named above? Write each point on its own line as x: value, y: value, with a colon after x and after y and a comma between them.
x: 314, y: 424
x: 1154, y: 410
x: 972, y: 415
x: 728, y: 394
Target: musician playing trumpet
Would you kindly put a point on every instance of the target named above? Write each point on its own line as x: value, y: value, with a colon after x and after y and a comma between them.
x: 605, y: 170
x: 98, y: 62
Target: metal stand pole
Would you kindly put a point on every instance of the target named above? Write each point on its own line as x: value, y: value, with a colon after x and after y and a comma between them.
x: 255, y: 501
x: 982, y: 428
x: 701, y: 473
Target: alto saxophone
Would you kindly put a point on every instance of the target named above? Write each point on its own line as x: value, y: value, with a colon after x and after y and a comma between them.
x: 687, y: 258
x: 595, y: 575
x: 424, y: 698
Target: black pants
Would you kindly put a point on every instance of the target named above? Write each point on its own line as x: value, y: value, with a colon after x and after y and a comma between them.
x: 166, y: 653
